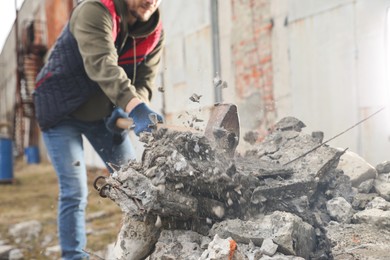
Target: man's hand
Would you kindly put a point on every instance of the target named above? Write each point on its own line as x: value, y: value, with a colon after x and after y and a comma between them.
x: 142, y: 116
x: 111, y: 120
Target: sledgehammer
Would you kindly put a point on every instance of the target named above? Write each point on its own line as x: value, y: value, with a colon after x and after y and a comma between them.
x: 223, y: 127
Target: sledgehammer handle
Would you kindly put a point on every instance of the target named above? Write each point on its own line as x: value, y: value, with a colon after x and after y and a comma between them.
x: 124, y: 123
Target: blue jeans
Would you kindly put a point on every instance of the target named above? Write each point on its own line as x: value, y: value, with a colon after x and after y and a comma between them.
x: 65, y: 148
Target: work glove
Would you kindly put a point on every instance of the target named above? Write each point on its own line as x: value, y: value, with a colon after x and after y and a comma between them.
x: 111, y: 121
x: 144, y: 118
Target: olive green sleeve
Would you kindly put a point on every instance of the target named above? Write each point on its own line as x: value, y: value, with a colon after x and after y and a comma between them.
x: 91, y: 25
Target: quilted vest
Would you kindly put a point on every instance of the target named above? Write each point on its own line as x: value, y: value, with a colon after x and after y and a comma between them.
x: 63, y: 85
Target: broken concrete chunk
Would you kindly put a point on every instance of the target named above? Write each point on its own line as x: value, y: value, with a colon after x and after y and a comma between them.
x: 361, y: 200
x: 275, y: 194
x: 5, y: 250
x: 289, y: 232
x: 356, y: 168
x: 318, y: 136
x: 382, y: 186
x: 218, y: 249
x: 144, y: 235
x: 289, y: 123
x: 376, y: 217
x: 383, y: 167
x: 378, y: 203
x: 174, y: 243
x: 268, y: 247
x: 25, y: 231
x: 280, y: 257
x: 366, y: 186
x: 339, y: 209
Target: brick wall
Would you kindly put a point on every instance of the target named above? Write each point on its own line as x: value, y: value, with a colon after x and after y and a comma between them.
x: 252, y: 62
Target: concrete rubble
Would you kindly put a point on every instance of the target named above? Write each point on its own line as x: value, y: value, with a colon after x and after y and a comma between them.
x: 289, y: 197
x: 278, y: 200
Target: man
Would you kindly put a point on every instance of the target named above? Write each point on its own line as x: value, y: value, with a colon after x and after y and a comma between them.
x: 102, y: 67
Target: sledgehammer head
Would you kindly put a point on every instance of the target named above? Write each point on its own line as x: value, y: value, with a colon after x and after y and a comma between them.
x: 223, y: 127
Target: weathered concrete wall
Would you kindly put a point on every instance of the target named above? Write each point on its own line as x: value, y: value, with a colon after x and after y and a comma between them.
x: 8, y: 79
x: 337, y: 71
x: 187, y: 65
x: 327, y: 66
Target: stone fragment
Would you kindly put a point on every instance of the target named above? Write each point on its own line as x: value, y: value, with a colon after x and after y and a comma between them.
x: 25, y: 231
x: 269, y: 247
x: 289, y: 123
x: 376, y: 217
x: 356, y: 168
x: 53, y: 250
x: 318, y: 136
x: 280, y: 257
x: 174, y: 243
x: 339, y: 209
x: 361, y: 200
x: 140, y: 243
x: 378, y: 203
x: 16, y: 254
x: 4, y: 251
x: 382, y: 186
x: 221, y: 249
x: 289, y: 232
x: 383, y: 167
x: 366, y: 186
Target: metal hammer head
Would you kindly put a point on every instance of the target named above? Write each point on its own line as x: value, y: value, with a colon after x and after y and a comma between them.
x: 223, y: 127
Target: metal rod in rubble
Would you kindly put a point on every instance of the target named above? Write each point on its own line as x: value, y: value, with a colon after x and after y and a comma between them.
x: 343, y: 132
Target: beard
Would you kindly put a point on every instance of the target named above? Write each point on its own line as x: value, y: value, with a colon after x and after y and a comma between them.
x: 141, y: 17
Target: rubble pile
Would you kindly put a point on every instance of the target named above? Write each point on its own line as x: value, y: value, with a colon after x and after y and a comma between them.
x: 283, y: 199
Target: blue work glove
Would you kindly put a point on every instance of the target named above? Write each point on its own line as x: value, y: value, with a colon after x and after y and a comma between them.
x: 144, y: 118
x: 111, y: 120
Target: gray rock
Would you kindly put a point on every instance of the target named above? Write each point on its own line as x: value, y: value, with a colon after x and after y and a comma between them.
x: 339, y: 209
x: 318, y: 136
x: 218, y: 249
x: 366, y: 186
x: 383, y: 167
x: 96, y: 215
x: 361, y: 200
x: 289, y: 232
x: 382, y: 186
x: 171, y: 243
x: 375, y: 217
x: 280, y: 257
x: 53, y: 250
x: 16, y: 254
x: 356, y: 168
x: 269, y: 247
x: 378, y: 203
x: 5, y: 250
x: 289, y: 123
x: 25, y: 231
x: 110, y: 251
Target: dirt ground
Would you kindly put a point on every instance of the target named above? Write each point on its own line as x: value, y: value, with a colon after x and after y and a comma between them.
x: 33, y: 196
x: 358, y: 241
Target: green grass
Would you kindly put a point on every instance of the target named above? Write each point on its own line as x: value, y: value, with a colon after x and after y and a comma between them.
x: 33, y: 196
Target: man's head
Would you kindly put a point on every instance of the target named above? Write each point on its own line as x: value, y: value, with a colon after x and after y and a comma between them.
x: 141, y: 10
